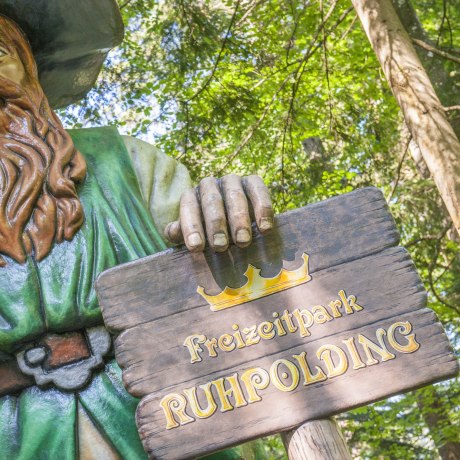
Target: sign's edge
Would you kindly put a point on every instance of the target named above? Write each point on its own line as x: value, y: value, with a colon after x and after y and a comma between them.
x: 176, y: 249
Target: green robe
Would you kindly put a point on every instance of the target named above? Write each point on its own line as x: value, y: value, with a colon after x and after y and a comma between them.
x: 58, y: 295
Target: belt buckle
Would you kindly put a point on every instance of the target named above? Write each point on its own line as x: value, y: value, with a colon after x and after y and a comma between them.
x: 72, y: 376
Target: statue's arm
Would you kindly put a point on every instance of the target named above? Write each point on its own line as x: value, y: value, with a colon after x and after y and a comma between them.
x: 162, y: 180
x: 216, y: 212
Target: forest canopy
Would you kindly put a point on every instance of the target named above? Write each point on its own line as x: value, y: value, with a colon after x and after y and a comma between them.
x: 292, y: 90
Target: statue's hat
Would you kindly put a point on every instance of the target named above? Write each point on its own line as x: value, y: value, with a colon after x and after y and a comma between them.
x: 70, y: 40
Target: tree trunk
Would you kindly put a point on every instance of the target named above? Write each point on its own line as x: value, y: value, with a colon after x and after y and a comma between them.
x: 444, y: 434
x: 422, y: 110
x: 434, y: 137
x: 316, y: 440
x: 446, y: 86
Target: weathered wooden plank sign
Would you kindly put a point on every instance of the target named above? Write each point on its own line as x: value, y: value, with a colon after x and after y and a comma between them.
x: 323, y: 315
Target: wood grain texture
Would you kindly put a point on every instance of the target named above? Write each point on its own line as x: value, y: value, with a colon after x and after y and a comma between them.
x: 145, y: 372
x: 351, y: 242
x: 423, y: 112
x: 279, y: 411
x: 316, y: 440
x: 317, y: 229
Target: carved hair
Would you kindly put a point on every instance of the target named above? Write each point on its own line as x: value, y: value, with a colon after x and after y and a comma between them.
x: 39, y: 165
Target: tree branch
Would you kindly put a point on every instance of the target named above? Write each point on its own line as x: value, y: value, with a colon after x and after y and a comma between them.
x: 430, y: 273
x: 446, y: 268
x: 298, y: 72
x: 445, y: 18
x: 248, y: 12
x: 434, y: 50
x: 250, y: 132
x: 326, y: 68
x: 219, y: 57
x: 350, y: 28
x: 310, y: 51
x: 398, y: 170
x: 126, y: 4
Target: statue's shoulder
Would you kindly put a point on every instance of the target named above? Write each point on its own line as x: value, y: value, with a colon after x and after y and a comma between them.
x: 107, y: 141
x: 139, y: 149
x: 100, y: 138
x: 153, y: 165
x: 102, y: 147
x: 162, y: 179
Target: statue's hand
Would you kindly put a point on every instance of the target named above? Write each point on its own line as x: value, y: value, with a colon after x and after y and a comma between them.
x: 216, y: 201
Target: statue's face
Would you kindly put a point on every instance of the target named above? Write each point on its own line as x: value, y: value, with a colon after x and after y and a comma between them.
x: 11, y: 66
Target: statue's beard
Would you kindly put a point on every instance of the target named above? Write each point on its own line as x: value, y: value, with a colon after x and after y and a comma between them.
x: 39, y: 171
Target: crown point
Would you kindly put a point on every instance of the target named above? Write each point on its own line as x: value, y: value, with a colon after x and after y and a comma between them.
x: 257, y: 286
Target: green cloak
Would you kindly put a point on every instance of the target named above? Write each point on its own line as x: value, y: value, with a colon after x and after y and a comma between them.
x: 57, y: 295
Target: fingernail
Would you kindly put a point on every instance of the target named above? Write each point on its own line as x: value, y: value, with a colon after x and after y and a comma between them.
x: 243, y: 236
x: 265, y: 223
x: 220, y: 240
x: 194, y: 240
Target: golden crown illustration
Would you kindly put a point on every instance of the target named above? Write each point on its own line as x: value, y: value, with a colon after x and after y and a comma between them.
x: 257, y: 286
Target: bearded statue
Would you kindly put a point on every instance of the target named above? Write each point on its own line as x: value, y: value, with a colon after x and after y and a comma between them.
x: 40, y: 167
x: 72, y: 204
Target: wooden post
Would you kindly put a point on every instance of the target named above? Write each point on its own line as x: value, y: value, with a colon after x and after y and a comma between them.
x: 316, y: 440
x: 422, y: 110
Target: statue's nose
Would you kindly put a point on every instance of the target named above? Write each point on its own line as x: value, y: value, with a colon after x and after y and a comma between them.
x: 11, y: 68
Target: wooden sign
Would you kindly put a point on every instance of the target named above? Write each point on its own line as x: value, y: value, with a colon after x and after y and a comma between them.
x: 323, y: 315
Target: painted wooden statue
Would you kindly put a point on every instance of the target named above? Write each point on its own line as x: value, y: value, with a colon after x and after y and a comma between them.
x: 73, y: 204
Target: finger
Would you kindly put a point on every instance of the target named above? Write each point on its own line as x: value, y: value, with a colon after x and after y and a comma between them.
x: 173, y: 232
x: 190, y: 220
x: 260, y: 199
x: 236, y: 204
x: 213, y: 209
